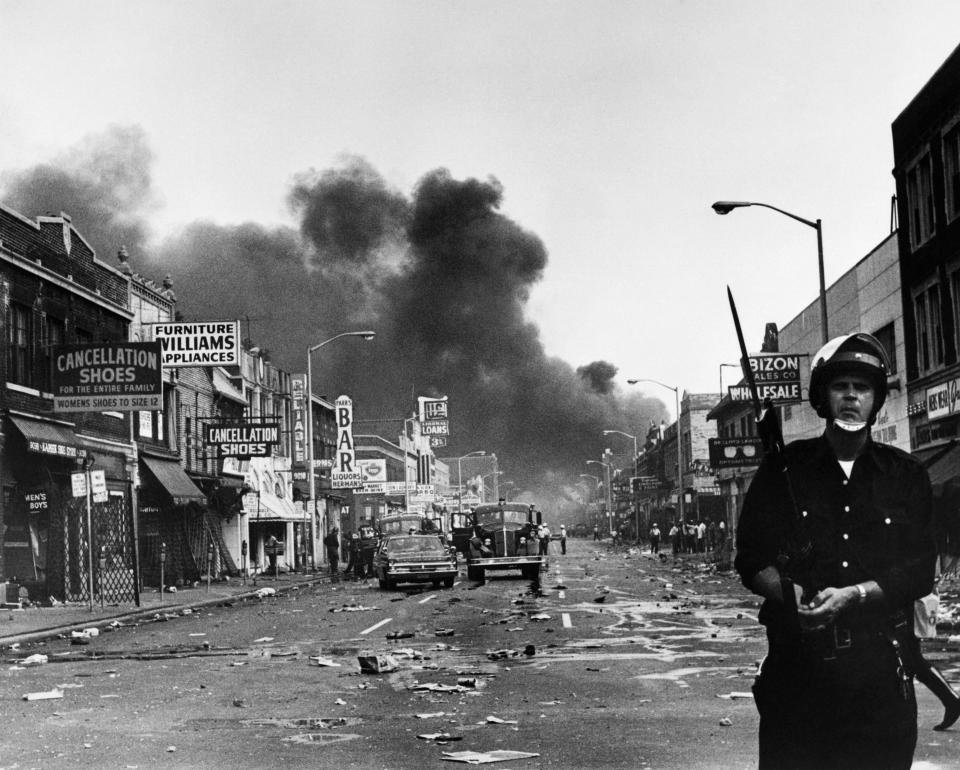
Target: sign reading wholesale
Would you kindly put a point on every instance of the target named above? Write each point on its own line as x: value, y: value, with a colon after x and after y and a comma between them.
x: 214, y: 343
x: 345, y: 473
x: 242, y: 440
x: 107, y: 377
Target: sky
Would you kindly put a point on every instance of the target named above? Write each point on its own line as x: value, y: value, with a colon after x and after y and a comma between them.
x: 610, y: 128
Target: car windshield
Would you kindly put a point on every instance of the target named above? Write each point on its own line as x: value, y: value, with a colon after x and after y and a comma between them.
x: 428, y: 546
x: 493, y: 516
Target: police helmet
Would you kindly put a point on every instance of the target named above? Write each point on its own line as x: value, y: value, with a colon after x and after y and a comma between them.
x: 858, y: 353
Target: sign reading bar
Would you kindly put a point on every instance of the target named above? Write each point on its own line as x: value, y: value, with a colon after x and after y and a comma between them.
x: 107, y: 377
x: 735, y: 451
x: 345, y: 473
x: 199, y: 344
x: 242, y: 440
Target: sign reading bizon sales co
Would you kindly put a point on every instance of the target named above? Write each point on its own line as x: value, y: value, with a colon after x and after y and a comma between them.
x: 212, y: 343
x: 107, y: 377
x: 777, y: 376
x: 242, y: 440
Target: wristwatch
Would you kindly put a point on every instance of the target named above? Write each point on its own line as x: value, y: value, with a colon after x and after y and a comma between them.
x: 861, y: 589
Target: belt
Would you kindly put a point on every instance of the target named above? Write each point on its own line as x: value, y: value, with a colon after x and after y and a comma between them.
x: 836, y: 641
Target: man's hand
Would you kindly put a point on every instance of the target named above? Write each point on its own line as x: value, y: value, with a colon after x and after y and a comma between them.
x: 828, y: 605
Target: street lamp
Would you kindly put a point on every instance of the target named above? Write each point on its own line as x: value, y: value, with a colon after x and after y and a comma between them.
x: 311, y: 481
x: 476, y: 452
x: 636, y: 502
x: 725, y: 207
x: 676, y: 394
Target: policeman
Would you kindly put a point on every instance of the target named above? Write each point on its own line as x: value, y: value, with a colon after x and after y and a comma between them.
x: 835, y: 536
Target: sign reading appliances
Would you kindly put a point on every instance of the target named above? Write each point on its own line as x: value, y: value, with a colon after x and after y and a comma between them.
x: 107, y: 377
x: 199, y: 344
x: 242, y: 440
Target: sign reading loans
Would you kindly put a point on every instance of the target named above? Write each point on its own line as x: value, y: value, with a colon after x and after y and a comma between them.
x: 199, y: 344
x: 242, y: 440
x: 107, y: 377
x: 345, y: 473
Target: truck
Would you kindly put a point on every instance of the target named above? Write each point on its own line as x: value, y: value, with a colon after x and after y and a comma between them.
x: 504, y: 538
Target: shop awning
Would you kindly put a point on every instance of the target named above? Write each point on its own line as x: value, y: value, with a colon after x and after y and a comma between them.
x: 943, y: 464
x: 47, y: 437
x: 270, y: 508
x: 174, y: 480
x: 225, y: 388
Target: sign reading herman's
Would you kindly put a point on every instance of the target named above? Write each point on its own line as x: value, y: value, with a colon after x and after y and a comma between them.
x: 107, y: 377
x: 199, y: 344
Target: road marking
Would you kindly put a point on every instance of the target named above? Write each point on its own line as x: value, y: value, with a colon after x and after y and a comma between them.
x: 375, y: 626
x: 427, y: 598
x: 567, y: 623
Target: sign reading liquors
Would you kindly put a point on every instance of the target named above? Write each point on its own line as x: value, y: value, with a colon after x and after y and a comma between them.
x: 242, y: 440
x: 199, y: 344
x: 345, y: 473
x: 107, y: 377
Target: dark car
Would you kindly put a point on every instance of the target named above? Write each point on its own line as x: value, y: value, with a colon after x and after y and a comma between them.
x: 414, y: 559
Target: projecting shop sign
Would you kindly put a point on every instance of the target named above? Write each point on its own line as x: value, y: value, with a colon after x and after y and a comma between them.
x: 943, y: 399
x: 434, y: 420
x: 777, y: 376
x: 735, y: 451
x: 345, y: 473
x: 242, y: 440
x: 199, y: 344
x: 107, y: 377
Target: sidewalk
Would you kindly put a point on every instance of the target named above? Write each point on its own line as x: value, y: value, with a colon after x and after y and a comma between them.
x: 32, y: 624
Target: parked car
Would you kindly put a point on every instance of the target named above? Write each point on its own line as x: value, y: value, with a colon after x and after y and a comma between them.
x: 414, y: 559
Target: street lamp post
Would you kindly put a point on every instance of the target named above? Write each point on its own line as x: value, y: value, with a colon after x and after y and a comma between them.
x: 636, y: 505
x: 476, y: 452
x: 725, y: 207
x: 676, y: 395
x: 311, y: 481
x: 607, y: 498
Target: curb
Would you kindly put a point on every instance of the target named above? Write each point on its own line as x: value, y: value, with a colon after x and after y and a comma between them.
x: 51, y: 632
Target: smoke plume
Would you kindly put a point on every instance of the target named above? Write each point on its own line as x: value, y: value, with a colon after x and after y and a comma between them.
x: 441, y: 274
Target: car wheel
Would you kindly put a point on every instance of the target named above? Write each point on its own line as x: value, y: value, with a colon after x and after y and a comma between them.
x: 531, y: 572
x: 448, y: 582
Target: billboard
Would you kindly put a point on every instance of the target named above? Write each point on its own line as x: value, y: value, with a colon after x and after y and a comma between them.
x: 777, y: 376
x: 735, y: 451
x: 107, y: 377
x: 199, y: 344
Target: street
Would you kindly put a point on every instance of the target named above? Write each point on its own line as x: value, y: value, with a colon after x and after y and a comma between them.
x: 617, y: 660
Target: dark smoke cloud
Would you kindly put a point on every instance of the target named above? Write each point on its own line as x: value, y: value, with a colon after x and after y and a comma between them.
x: 441, y: 274
x: 103, y: 184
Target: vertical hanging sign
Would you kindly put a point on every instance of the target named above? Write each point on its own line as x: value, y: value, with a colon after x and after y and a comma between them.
x: 345, y: 473
x: 299, y: 388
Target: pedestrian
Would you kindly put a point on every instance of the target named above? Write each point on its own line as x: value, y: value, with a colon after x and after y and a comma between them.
x: 271, y: 548
x: 544, y: 534
x: 835, y: 535
x: 925, y: 627
x: 721, y: 533
x: 563, y: 539
x: 674, y: 535
x: 711, y: 535
x: 701, y: 537
x: 596, y: 532
x: 654, y: 538
x: 332, y: 543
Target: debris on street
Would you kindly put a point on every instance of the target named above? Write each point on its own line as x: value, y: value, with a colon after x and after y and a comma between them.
x: 48, y: 695
x: 265, y: 592
x: 318, y: 661
x: 376, y: 663
x: 736, y: 695
x: 440, y: 737
x: 486, y: 757
x: 33, y: 660
x: 492, y: 720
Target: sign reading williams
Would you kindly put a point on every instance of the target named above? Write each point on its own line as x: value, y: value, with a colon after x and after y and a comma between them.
x: 199, y: 344
x: 242, y: 440
x: 107, y: 377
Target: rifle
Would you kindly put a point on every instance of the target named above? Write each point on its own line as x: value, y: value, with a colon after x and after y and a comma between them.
x: 768, y: 426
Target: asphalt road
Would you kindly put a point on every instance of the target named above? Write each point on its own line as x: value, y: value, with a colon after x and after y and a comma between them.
x: 616, y: 660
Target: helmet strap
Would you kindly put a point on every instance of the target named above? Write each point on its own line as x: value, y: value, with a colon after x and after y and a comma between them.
x: 850, y: 427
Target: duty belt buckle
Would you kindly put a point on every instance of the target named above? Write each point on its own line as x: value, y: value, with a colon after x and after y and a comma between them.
x: 842, y: 638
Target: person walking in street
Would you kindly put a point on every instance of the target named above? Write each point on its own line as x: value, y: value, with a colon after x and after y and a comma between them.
x: 563, y: 539
x: 835, y: 535
x: 544, y: 534
x: 925, y: 627
x: 596, y: 532
x: 654, y: 538
x: 332, y: 543
x: 701, y: 537
x: 674, y: 536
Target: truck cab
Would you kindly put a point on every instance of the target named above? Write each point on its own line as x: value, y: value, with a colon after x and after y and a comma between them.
x: 504, y: 538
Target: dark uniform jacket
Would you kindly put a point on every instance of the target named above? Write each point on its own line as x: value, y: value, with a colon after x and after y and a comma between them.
x: 876, y: 525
